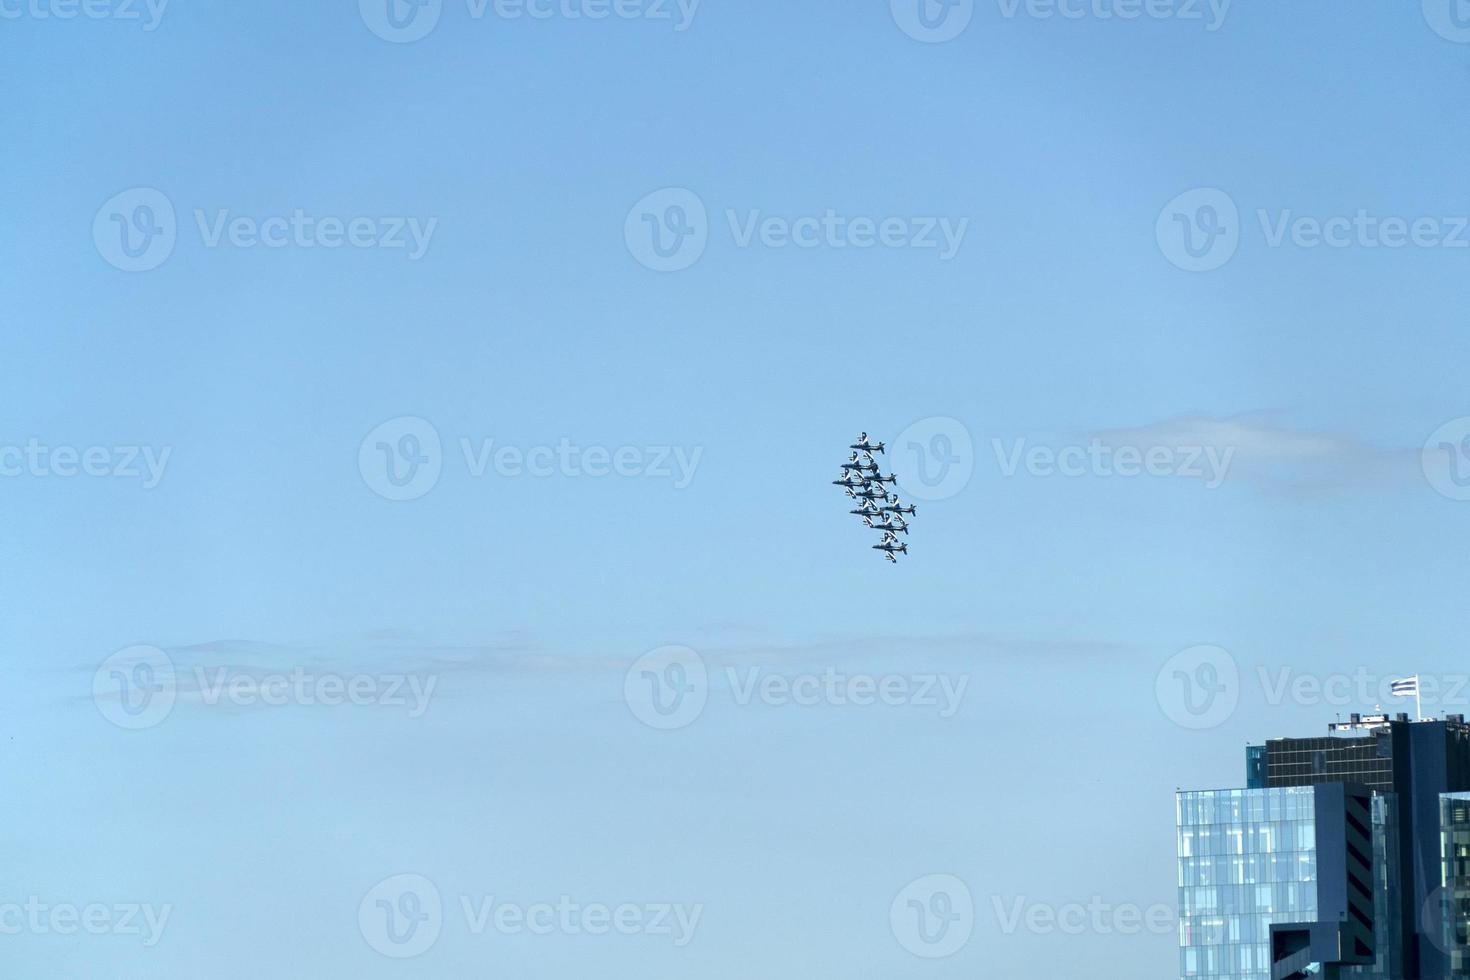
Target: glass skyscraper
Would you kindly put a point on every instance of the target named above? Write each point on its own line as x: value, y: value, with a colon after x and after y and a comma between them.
x: 1247, y: 857
x: 1343, y: 858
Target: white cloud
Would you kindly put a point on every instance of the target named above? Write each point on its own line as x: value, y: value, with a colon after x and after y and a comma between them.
x: 1277, y: 458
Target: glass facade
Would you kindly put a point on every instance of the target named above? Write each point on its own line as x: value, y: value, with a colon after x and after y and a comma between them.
x: 1255, y: 766
x: 1247, y: 858
x: 1454, y: 905
x: 1368, y: 760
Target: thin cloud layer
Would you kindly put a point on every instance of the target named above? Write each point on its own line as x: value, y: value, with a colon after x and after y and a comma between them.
x: 1276, y: 458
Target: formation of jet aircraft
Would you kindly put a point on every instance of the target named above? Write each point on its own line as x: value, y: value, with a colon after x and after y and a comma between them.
x: 878, y: 507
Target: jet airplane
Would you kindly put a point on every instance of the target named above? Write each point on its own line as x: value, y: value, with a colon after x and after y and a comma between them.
x: 894, y: 507
x: 890, y: 523
x: 890, y: 546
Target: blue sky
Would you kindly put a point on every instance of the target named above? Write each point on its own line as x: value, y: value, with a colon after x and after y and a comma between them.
x: 1059, y: 151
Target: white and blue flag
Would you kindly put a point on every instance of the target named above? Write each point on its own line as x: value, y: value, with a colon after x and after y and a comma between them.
x: 1407, y: 687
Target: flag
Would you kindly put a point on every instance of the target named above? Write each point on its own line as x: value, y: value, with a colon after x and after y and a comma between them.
x: 1408, y: 687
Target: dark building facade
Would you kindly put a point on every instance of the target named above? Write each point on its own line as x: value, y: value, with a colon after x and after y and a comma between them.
x: 1346, y: 857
